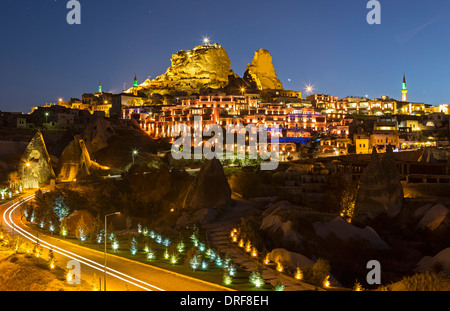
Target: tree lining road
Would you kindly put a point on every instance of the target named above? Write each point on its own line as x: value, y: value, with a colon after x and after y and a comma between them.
x: 123, y: 274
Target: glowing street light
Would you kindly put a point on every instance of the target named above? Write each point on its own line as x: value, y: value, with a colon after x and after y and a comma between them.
x: 309, y: 89
x: 134, y: 153
x: 116, y: 213
x: 206, y: 40
x: 46, y: 117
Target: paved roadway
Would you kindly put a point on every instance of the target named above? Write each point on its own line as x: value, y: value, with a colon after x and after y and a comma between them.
x: 122, y: 274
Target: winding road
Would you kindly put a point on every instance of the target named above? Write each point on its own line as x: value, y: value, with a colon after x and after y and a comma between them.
x: 122, y: 274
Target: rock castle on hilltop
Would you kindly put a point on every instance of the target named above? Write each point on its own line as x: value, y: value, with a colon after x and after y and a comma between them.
x: 209, y: 67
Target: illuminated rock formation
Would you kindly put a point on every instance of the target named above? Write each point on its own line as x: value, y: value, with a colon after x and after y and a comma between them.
x: 380, y: 190
x: 208, y: 66
x: 262, y: 72
x: 35, y: 167
x: 75, y: 161
x: 202, y: 67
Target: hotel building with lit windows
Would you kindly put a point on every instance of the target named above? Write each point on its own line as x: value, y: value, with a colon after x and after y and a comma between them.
x: 233, y: 110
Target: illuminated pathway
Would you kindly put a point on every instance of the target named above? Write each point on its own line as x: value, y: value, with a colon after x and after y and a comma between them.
x: 122, y: 274
x: 219, y: 236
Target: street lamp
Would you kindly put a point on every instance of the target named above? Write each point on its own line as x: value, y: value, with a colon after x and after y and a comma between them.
x: 134, y: 153
x: 46, y: 117
x: 116, y: 213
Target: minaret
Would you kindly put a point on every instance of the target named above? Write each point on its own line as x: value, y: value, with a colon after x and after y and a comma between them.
x: 135, y: 84
x: 100, y: 87
x: 404, y: 90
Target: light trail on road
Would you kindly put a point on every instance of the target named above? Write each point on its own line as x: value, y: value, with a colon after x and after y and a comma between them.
x: 8, y: 218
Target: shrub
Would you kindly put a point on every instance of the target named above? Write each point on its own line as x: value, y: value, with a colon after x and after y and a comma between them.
x: 256, y: 278
x: 428, y: 281
x: 279, y: 286
x: 193, y: 258
x: 317, y: 274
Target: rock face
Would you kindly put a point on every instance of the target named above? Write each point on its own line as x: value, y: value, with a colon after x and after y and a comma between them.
x: 35, y: 167
x: 262, y: 72
x: 96, y: 134
x: 208, y: 67
x: 202, y: 217
x: 273, y: 223
x: 443, y: 258
x: 290, y: 259
x: 380, y: 190
x: 74, y: 162
x: 344, y: 231
x: 204, y: 66
x: 432, y: 216
x: 210, y: 189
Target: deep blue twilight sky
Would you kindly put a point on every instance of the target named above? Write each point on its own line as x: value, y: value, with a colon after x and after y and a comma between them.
x: 327, y: 43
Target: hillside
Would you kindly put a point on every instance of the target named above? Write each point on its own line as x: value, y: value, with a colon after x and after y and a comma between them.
x: 118, y: 151
x: 21, y: 273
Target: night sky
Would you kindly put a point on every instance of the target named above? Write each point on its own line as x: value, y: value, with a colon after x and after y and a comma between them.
x: 326, y: 43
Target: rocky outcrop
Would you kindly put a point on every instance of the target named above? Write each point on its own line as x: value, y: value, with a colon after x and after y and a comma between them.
x: 346, y: 231
x: 262, y: 72
x: 74, y: 162
x: 441, y: 258
x: 209, y: 67
x: 289, y: 259
x: 205, y: 66
x: 380, y: 190
x: 210, y: 188
x: 35, y: 167
x: 432, y: 216
x: 202, y: 217
x: 96, y: 134
x: 272, y: 222
x: 207, y: 196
